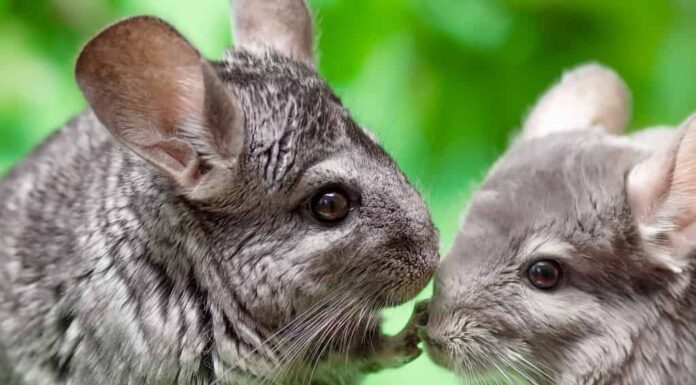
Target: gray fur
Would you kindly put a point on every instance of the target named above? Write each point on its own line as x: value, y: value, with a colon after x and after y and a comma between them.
x: 620, y: 316
x: 110, y: 275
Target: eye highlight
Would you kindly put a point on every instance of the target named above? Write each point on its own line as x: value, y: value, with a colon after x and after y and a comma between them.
x: 330, y: 205
x: 545, y: 274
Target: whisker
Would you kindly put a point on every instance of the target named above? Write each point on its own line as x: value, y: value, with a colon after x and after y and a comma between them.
x: 324, y: 344
x: 303, y: 339
x: 298, y: 320
x: 333, y: 321
x: 517, y: 370
x: 536, y: 369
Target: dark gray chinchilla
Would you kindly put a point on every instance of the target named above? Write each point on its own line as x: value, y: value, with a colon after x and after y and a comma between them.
x: 207, y: 222
x: 574, y: 264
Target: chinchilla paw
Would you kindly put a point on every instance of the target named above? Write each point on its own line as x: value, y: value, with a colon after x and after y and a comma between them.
x: 402, y: 348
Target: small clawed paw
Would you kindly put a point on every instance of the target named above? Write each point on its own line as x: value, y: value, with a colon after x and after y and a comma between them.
x: 403, y: 348
x: 398, y: 353
x: 405, y: 353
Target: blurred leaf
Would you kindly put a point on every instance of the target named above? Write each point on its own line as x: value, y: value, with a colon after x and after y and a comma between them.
x: 349, y: 31
x: 400, y: 132
x: 675, y: 78
x: 480, y: 24
x: 85, y: 16
x: 36, y: 97
x: 205, y: 23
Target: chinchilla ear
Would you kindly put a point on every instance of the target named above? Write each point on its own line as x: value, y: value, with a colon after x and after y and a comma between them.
x: 283, y: 25
x: 662, y: 194
x: 158, y: 96
x: 588, y: 96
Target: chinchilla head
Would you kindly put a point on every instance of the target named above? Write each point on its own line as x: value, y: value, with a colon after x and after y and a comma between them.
x: 575, y: 243
x: 285, y: 199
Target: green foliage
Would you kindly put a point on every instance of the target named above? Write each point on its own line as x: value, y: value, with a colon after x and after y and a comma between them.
x: 443, y: 83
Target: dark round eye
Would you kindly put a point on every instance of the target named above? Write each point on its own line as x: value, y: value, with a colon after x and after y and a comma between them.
x: 330, y: 206
x: 544, y: 274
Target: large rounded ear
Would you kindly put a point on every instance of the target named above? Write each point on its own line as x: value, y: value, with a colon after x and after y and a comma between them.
x: 588, y: 96
x: 156, y: 94
x: 283, y: 25
x: 662, y: 194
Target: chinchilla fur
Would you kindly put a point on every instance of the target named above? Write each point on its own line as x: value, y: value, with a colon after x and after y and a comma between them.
x: 612, y: 215
x: 163, y: 236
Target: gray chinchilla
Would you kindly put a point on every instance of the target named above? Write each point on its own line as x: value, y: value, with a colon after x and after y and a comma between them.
x: 207, y: 222
x: 574, y: 263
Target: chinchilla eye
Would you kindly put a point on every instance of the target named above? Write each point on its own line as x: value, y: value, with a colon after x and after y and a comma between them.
x: 544, y: 274
x: 330, y: 205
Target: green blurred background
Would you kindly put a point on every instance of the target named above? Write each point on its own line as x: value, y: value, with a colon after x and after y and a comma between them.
x: 443, y: 83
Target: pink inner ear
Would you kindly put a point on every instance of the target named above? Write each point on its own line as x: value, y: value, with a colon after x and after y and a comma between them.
x: 681, y: 202
x: 662, y: 191
x: 156, y: 94
x: 178, y: 151
x: 143, y: 80
x: 141, y: 75
x: 175, y: 157
x: 648, y: 184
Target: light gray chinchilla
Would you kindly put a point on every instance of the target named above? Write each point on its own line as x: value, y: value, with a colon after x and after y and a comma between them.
x: 575, y: 261
x: 207, y: 222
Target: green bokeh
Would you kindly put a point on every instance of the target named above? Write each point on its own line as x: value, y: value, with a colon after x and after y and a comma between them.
x: 443, y: 83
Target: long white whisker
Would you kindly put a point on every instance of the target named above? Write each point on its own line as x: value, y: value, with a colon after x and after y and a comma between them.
x: 316, y: 356
x: 307, y: 313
